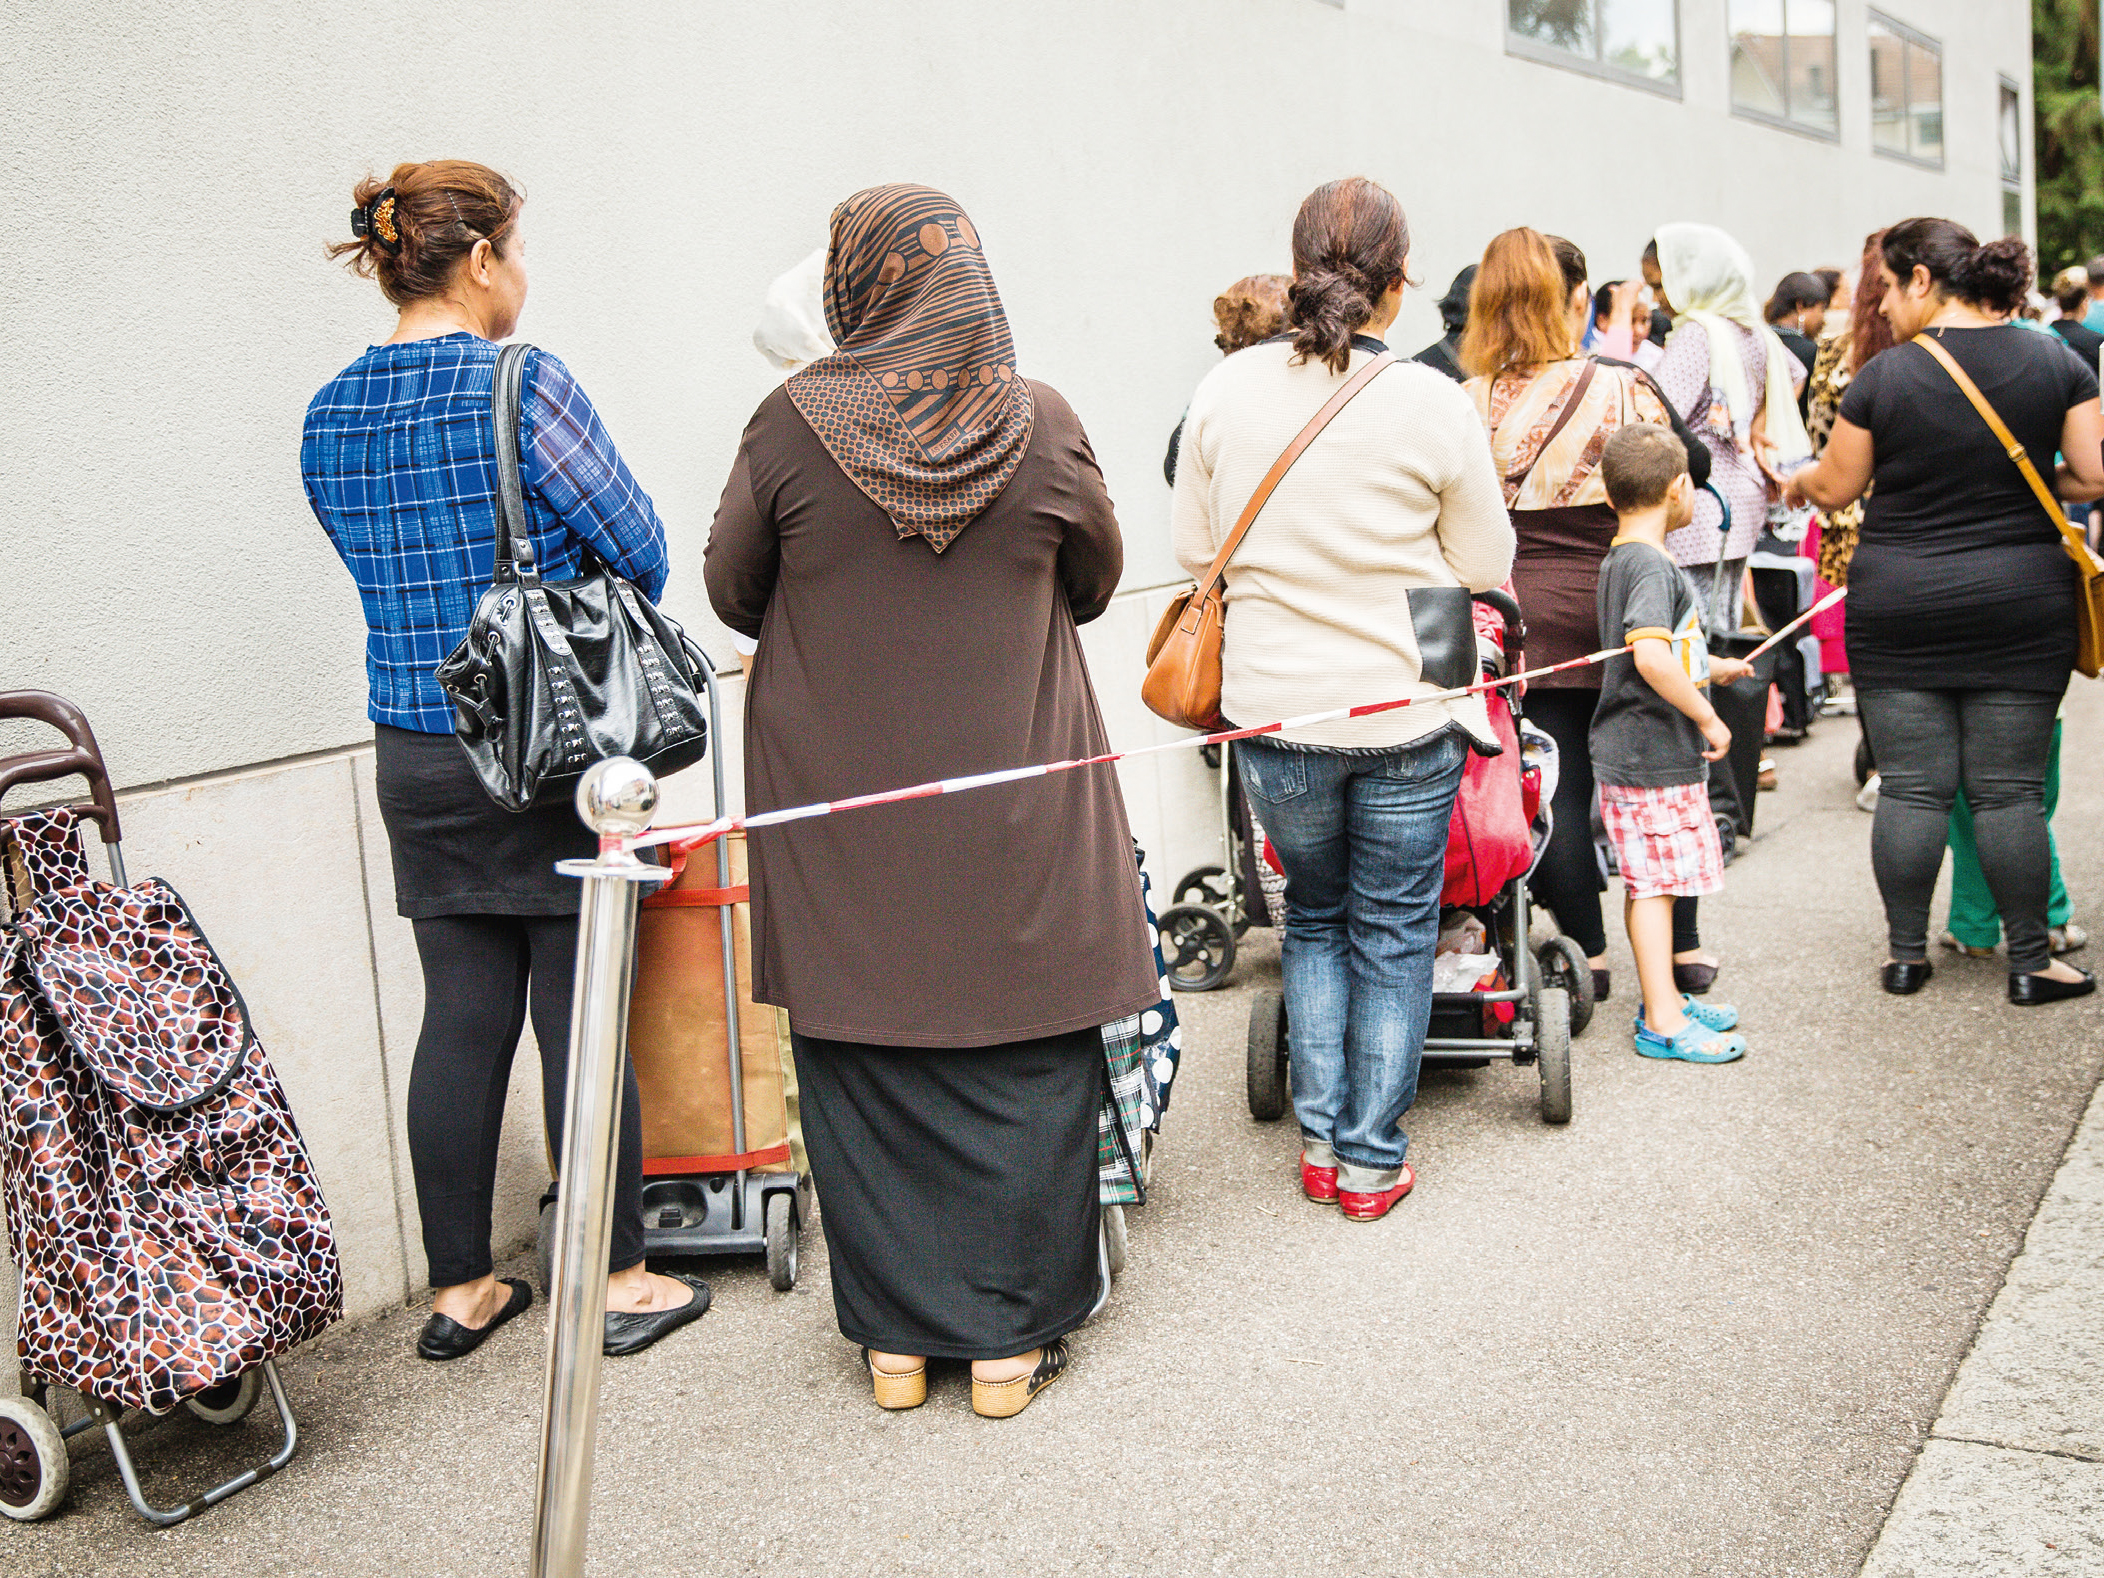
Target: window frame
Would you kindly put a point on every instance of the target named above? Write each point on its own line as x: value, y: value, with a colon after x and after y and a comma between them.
x: 1911, y: 38
x: 2008, y: 88
x: 1785, y: 122
x: 1519, y: 45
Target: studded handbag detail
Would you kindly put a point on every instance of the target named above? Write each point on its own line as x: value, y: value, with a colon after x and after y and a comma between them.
x: 553, y: 676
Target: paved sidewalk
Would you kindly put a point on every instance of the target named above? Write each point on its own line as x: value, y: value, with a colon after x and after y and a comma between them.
x: 1704, y: 1330
x: 2011, y: 1480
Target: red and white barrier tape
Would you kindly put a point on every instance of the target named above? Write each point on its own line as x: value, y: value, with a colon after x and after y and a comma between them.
x: 693, y: 835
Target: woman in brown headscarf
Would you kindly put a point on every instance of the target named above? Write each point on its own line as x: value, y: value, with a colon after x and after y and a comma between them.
x: 912, y: 531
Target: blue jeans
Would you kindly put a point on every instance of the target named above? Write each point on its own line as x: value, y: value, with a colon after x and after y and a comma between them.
x: 1363, y: 840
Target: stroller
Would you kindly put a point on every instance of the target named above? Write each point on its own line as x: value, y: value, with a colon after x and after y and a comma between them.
x: 1495, y: 995
x: 162, y: 1211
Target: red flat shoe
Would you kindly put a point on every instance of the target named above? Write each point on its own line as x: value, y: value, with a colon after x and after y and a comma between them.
x: 1318, y: 1183
x: 1372, y: 1207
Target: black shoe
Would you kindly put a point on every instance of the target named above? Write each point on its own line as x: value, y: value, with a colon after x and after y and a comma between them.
x: 445, y: 1338
x: 2028, y: 991
x: 631, y: 1331
x: 1601, y: 982
x: 1905, y: 977
x: 1694, y: 979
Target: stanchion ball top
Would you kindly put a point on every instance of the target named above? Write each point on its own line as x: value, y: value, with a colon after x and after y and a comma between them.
x: 617, y: 796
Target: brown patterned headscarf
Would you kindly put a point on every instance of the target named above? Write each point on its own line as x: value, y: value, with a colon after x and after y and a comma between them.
x: 921, y: 405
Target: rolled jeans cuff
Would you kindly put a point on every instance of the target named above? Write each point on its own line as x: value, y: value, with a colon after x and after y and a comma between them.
x: 1354, y: 1179
x: 1316, y: 1153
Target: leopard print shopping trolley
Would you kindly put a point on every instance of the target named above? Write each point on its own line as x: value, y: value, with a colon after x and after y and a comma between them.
x: 163, y: 1217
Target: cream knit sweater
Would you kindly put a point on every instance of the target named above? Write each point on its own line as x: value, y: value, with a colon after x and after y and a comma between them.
x: 1397, y: 492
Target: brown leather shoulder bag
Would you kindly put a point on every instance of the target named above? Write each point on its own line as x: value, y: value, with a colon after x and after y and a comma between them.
x: 1183, y: 658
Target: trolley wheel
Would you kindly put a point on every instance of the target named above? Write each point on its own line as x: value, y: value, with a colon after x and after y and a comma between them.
x: 1204, y: 885
x: 1198, y: 946
x: 779, y: 1217
x: 1563, y: 963
x: 1267, y: 1057
x: 544, y: 1250
x: 34, y: 1467
x: 227, y: 1403
x: 1114, y: 1237
x: 1552, y: 1036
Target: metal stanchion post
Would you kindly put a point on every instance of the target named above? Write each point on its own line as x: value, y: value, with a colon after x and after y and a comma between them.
x: 616, y: 798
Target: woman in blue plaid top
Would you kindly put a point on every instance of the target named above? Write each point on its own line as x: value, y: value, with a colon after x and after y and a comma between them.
x: 399, y: 462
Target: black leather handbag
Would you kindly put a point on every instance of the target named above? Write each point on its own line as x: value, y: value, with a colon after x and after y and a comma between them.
x: 554, y: 676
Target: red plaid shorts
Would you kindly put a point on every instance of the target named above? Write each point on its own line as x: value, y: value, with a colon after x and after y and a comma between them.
x: 1665, y: 840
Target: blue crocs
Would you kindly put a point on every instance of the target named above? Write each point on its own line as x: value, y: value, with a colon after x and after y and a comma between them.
x: 1696, y: 1043
x: 1713, y: 1016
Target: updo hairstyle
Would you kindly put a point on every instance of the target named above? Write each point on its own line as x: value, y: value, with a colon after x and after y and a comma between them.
x: 1251, y: 309
x: 1995, y: 277
x: 1350, y: 242
x: 1570, y: 261
x: 414, y: 229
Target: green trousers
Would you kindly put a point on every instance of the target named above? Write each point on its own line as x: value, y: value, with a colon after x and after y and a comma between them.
x: 1974, y: 919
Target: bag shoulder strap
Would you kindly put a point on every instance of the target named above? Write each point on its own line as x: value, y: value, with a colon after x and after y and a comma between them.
x: 2007, y: 439
x: 514, y: 560
x: 1570, y: 409
x: 1316, y: 423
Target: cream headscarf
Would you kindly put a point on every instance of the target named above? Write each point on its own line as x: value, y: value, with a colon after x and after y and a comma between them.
x: 1709, y: 279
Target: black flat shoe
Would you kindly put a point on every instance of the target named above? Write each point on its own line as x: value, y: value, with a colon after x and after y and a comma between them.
x: 1695, y: 979
x: 2028, y: 991
x: 445, y: 1338
x: 631, y: 1331
x: 1905, y: 977
x: 1602, y: 981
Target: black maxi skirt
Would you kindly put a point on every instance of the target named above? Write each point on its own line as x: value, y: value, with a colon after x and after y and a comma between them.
x: 957, y: 1189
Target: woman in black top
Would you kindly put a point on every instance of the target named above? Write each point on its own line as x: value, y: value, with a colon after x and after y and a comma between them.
x: 1961, y: 608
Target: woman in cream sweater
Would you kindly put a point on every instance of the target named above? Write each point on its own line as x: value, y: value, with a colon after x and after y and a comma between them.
x: 1352, y: 586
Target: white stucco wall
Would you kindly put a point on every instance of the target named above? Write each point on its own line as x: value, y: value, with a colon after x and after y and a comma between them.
x: 170, y: 174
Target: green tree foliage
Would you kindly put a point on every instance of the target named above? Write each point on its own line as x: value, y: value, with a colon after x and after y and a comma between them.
x: 2070, y: 133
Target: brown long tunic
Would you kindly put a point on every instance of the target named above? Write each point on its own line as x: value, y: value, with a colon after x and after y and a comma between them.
x: 999, y: 915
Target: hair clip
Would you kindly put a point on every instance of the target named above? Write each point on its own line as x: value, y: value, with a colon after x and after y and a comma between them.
x: 376, y: 220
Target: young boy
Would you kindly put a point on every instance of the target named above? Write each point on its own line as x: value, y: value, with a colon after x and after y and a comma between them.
x: 1654, y: 735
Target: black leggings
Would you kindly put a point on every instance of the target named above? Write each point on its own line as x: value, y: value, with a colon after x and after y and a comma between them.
x: 1993, y: 744
x: 481, y: 973
x: 1568, y: 880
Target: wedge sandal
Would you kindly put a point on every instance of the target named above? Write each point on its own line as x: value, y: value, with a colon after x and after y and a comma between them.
x: 1006, y: 1399
x: 897, y: 1388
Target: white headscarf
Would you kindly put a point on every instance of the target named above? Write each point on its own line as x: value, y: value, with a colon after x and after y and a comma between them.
x: 792, y: 329
x: 1709, y: 279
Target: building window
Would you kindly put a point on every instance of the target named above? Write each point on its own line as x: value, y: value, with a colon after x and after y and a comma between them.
x: 1634, y: 41
x: 1906, y: 92
x: 1782, y: 63
x: 2010, y: 129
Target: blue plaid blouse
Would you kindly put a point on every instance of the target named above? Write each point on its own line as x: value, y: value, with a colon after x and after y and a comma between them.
x: 400, y: 468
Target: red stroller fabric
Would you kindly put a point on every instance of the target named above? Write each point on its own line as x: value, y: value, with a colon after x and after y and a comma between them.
x: 1488, y: 840
x: 161, y: 1207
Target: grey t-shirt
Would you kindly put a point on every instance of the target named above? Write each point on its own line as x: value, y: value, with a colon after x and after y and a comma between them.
x: 1639, y: 739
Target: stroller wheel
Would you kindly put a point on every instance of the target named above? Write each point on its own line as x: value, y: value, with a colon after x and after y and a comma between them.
x: 34, y: 1467
x: 1203, y: 885
x: 1198, y: 946
x: 1563, y: 963
x: 544, y: 1250
x: 782, y: 1255
x: 227, y: 1403
x: 1866, y: 764
x: 1266, y: 1076
x: 1552, y: 1031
